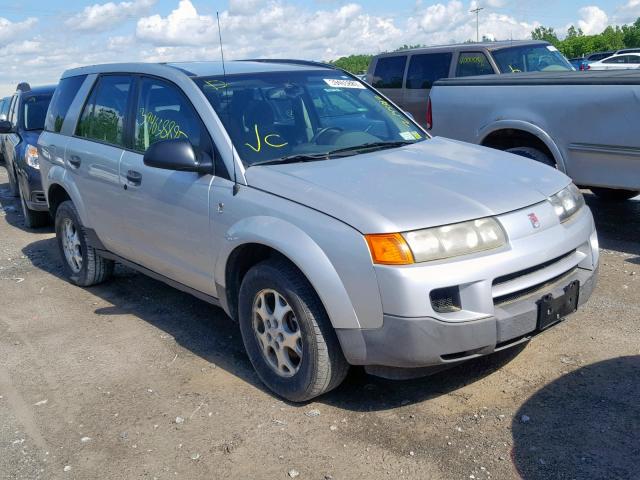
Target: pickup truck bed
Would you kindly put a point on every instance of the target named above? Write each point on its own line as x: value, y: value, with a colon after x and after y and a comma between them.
x: 585, y: 123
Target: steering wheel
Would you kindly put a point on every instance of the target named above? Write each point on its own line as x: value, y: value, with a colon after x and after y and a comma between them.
x: 324, y: 131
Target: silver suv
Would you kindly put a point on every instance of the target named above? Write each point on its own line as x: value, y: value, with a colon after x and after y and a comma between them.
x: 315, y: 213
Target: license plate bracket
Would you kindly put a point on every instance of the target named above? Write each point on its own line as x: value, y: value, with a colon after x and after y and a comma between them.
x: 551, y: 310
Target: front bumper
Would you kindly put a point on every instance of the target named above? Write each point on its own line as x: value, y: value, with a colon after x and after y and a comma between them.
x: 427, y: 342
x: 496, y: 295
x: 31, y: 187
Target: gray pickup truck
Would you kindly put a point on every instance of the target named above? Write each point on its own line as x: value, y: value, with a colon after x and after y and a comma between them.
x: 584, y: 123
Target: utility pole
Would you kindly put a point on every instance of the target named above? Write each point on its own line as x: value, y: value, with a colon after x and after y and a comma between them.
x: 477, y: 12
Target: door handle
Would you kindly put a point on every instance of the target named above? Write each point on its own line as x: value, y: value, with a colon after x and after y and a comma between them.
x: 135, y: 178
x: 75, y: 160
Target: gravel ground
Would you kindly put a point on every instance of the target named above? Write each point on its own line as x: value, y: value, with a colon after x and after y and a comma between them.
x: 133, y: 379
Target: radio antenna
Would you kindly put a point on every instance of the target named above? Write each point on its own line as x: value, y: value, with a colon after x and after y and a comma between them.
x: 236, y: 186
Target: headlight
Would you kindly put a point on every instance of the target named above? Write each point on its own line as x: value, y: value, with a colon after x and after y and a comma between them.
x: 436, y: 243
x: 567, y: 202
x: 31, y: 157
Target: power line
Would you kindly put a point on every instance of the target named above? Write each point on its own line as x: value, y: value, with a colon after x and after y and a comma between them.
x: 477, y: 12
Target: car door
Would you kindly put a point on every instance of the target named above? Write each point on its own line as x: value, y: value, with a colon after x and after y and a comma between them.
x: 166, y: 212
x: 423, y: 70
x: 93, y: 155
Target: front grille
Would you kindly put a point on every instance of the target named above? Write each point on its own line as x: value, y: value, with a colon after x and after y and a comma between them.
x: 530, y: 270
x: 38, y: 197
x: 510, y: 297
x: 445, y: 300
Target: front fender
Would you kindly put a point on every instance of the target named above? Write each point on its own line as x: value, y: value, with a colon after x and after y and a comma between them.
x: 528, y: 127
x: 303, y: 251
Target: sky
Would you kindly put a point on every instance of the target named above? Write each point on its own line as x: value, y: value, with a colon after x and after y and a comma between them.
x: 39, y: 40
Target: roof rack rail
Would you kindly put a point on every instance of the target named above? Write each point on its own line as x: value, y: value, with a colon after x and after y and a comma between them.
x: 23, y: 87
x: 292, y: 61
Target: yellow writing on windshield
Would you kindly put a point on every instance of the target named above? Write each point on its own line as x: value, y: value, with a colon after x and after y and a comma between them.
x: 215, y: 84
x: 393, y: 111
x: 268, y: 140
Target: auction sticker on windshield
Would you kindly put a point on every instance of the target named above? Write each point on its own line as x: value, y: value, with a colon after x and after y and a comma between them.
x: 334, y: 82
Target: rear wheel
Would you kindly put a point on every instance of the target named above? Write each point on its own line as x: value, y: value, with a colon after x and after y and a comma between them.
x: 613, y: 195
x: 533, y: 154
x: 82, y: 264
x: 32, y: 218
x: 287, y: 333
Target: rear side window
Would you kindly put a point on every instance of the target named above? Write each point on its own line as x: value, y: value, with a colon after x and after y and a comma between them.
x: 473, y: 63
x: 389, y: 72
x: 164, y: 113
x: 425, y: 69
x: 61, y: 101
x: 103, y: 116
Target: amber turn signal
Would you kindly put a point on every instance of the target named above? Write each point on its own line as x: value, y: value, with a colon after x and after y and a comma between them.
x: 389, y: 249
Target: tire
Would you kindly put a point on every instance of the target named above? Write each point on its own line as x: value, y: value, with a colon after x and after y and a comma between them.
x: 33, y: 218
x: 533, y: 154
x: 613, y: 195
x: 321, y: 365
x: 13, y: 184
x: 92, y: 268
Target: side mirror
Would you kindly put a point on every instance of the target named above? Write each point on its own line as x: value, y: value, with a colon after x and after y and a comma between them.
x: 5, y: 126
x: 177, y: 154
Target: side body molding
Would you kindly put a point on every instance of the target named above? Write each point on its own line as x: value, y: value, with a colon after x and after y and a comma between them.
x: 299, y: 248
x: 528, y: 127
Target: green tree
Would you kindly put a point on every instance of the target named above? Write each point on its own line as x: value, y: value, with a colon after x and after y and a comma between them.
x: 355, y: 64
x: 546, y: 34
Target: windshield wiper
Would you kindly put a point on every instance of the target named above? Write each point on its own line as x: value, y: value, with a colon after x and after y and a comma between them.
x: 371, y: 146
x: 340, y: 152
x: 298, y: 157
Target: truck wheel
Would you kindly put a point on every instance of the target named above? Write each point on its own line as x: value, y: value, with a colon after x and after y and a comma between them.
x: 82, y: 264
x: 33, y: 218
x: 287, y: 333
x: 533, y: 154
x: 613, y: 195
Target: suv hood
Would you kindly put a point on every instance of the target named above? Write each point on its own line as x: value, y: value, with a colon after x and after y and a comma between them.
x: 430, y: 183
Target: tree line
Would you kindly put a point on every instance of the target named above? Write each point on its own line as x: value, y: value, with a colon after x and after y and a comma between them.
x: 574, y: 44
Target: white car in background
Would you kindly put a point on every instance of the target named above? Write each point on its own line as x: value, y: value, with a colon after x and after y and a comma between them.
x: 617, y: 62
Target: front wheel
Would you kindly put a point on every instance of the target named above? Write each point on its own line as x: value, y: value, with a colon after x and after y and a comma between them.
x: 613, y: 195
x: 287, y: 333
x: 82, y: 263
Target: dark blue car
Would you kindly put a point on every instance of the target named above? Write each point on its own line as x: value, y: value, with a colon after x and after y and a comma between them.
x: 19, y: 138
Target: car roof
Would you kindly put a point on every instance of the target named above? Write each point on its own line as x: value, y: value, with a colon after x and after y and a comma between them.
x: 201, y: 69
x: 491, y: 46
x: 39, y: 90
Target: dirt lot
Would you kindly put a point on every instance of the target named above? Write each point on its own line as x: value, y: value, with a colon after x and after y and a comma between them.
x: 134, y: 379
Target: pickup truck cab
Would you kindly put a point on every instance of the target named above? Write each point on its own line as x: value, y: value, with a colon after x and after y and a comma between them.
x: 315, y: 213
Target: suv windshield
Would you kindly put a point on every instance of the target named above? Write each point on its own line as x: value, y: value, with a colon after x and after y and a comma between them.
x: 34, y: 111
x: 533, y: 58
x: 304, y: 115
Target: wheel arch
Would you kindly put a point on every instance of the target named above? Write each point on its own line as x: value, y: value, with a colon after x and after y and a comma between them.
x: 506, y: 134
x: 58, y: 191
x: 250, y: 241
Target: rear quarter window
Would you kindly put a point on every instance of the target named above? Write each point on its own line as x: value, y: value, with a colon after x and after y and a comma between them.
x: 426, y: 68
x: 389, y: 72
x: 61, y: 101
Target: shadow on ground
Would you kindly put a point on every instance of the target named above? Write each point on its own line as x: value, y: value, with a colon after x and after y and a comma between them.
x: 618, y: 225
x: 586, y: 424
